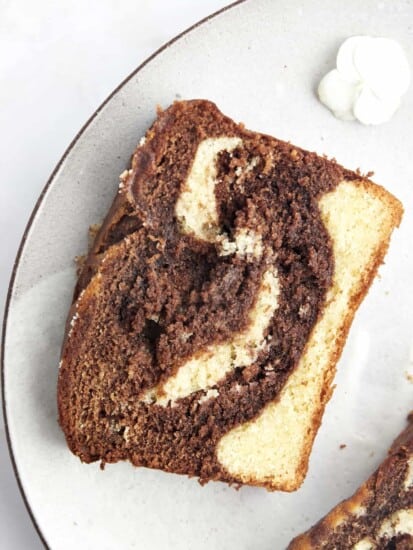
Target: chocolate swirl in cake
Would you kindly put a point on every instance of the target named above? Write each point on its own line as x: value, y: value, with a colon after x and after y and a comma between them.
x: 199, y: 294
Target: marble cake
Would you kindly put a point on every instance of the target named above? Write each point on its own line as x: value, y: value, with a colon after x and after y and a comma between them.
x: 379, y: 516
x: 215, y: 301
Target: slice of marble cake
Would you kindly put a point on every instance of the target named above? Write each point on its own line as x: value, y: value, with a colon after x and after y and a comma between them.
x: 215, y: 302
x: 379, y: 516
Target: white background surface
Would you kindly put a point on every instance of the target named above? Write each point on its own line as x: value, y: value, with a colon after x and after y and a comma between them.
x: 58, y: 62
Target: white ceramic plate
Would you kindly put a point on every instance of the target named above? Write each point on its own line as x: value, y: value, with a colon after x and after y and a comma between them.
x: 259, y: 61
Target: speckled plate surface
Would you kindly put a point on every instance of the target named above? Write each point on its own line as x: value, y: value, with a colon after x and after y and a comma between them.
x: 260, y: 62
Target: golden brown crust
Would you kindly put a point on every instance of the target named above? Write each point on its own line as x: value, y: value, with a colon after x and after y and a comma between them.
x: 395, y: 209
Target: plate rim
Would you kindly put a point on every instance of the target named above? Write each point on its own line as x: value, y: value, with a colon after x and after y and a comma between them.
x: 26, y: 231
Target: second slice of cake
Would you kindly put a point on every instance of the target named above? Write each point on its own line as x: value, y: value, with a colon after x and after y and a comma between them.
x: 379, y: 516
x: 215, y: 302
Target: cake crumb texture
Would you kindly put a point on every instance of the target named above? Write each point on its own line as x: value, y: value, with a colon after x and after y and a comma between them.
x: 215, y: 301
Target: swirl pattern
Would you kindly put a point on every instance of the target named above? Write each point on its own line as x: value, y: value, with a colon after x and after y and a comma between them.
x: 198, y: 297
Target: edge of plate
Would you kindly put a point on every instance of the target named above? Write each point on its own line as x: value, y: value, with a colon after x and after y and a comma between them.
x: 27, y: 229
